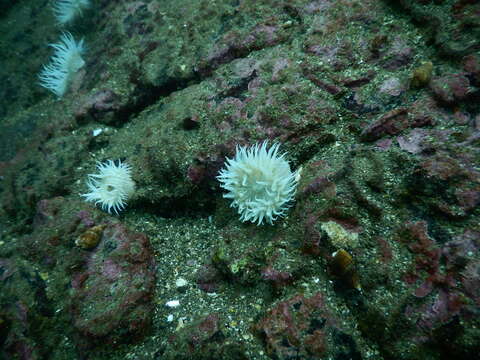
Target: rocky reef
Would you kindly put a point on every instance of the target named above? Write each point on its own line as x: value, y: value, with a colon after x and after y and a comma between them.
x: 378, y: 103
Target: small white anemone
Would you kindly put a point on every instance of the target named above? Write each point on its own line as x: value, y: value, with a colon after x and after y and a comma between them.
x: 259, y: 182
x: 111, y: 187
x: 67, y: 10
x: 65, y: 62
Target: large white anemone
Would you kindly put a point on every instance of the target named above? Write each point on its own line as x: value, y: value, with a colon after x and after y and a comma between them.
x: 260, y: 183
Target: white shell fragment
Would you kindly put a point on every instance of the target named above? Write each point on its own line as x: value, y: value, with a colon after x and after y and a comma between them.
x: 172, y: 303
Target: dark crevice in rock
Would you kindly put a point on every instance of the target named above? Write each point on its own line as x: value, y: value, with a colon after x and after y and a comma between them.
x: 196, y: 206
x: 146, y: 95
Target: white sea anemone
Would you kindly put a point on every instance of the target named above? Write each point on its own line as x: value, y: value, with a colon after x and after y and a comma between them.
x: 259, y: 182
x: 65, y: 62
x: 67, y: 10
x: 111, y: 187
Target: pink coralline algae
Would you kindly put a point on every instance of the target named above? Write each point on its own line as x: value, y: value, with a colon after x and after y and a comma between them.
x: 445, y: 280
x: 451, y: 88
x: 302, y: 327
x: 112, y: 296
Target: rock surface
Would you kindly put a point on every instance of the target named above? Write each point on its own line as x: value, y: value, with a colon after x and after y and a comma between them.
x: 378, y: 102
